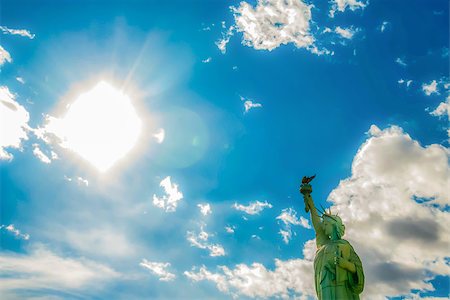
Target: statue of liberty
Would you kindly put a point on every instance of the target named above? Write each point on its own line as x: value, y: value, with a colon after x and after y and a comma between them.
x: 338, y: 270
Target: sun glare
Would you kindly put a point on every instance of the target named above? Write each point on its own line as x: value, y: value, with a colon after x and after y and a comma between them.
x: 101, y: 126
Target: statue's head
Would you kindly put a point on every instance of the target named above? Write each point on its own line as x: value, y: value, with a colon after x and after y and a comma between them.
x: 333, y: 223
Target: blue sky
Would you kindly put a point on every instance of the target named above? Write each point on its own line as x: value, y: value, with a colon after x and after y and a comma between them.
x: 154, y: 149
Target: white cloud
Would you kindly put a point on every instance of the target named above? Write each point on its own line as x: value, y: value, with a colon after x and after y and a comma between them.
x: 160, y: 135
x: 159, y: 269
x: 254, y: 208
x: 384, y: 25
x: 43, y: 269
x: 288, y: 217
x: 401, y: 62
x: 443, y: 109
x: 82, y: 181
x: 4, y: 56
x: 272, y: 23
x: 169, y: 201
x: 39, y: 154
x: 79, y: 180
x: 14, y: 118
x: 289, y: 279
x: 342, y: 5
x: 346, y: 33
x: 222, y: 43
x: 16, y: 232
x: 205, y: 61
x: 205, y: 209
x: 201, y: 241
x: 430, y: 88
x: 21, y: 32
x: 403, y: 81
x: 21, y: 80
x: 403, y: 243
x: 249, y: 104
x: 389, y: 201
x: 230, y: 229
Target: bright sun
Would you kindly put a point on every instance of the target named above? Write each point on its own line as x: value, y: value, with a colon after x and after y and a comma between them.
x: 101, y: 126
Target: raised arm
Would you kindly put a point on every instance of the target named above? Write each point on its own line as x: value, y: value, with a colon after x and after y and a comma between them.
x: 306, y: 190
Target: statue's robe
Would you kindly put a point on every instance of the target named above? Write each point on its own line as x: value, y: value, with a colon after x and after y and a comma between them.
x: 331, y: 281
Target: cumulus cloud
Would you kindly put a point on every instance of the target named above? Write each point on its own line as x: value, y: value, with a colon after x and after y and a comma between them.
x: 272, y: 23
x: 44, y: 269
x: 253, y: 208
x: 430, y: 88
x: 443, y: 109
x: 4, y: 56
x: 16, y: 232
x: 205, y: 209
x: 39, y: 154
x: 393, y: 209
x: 394, y: 199
x: 289, y: 279
x: 21, y: 32
x: 201, y: 240
x: 346, y: 33
x: 169, y: 201
x: 288, y: 218
x: 342, y: 5
x: 15, y: 118
x: 159, y: 269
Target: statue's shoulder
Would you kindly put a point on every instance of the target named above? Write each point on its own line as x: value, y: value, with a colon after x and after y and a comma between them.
x: 344, y: 242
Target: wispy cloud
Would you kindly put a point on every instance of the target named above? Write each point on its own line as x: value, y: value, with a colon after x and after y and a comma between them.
x: 4, y: 56
x: 15, y: 118
x: 253, y: 208
x: 169, y: 201
x: 16, y: 232
x: 201, y: 240
x: 288, y: 218
x: 159, y: 269
x: 44, y: 269
x: 401, y: 62
x: 160, y: 135
x: 39, y: 154
x: 406, y: 82
x: 205, y: 209
x: 384, y: 26
x: 207, y: 60
x: 21, y: 32
x: 21, y: 80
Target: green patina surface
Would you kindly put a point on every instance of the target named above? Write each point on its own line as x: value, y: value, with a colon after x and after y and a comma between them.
x: 338, y: 270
